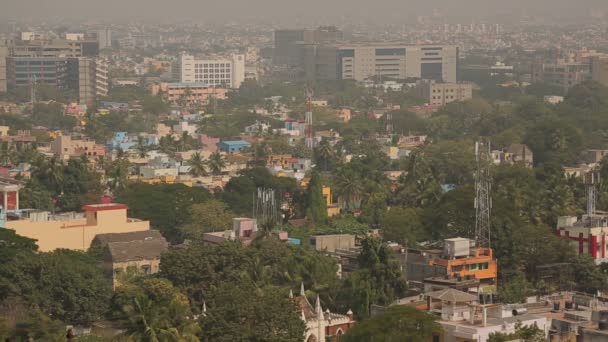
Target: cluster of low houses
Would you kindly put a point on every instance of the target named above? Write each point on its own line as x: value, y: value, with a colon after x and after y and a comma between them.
x: 457, y: 298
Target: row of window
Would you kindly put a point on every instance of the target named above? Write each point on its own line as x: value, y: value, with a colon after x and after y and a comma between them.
x: 445, y: 90
x: 221, y: 76
x: 211, y: 70
x: 211, y: 65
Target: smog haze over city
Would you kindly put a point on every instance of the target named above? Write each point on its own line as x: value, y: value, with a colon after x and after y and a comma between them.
x: 277, y: 10
x: 303, y: 171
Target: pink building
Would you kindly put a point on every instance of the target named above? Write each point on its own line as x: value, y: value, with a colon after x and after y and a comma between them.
x: 209, y: 143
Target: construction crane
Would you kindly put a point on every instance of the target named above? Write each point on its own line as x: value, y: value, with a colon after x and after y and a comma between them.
x: 483, y: 200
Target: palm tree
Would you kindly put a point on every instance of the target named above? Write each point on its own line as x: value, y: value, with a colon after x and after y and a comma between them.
x: 119, y: 175
x: 149, y: 322
x: 167, y: 144
x: 141, y: 148
x: 51, y: 170
x: 216, y: 163
x: 325, y: 152
x: 349, y: 188
x: 197, y: 165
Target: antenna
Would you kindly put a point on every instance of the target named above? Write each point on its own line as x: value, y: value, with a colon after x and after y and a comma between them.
x: 388, y: 117
x: 265, y: 208
x: 592, y: 179
x: 483, y: 201
x: 310, y: 135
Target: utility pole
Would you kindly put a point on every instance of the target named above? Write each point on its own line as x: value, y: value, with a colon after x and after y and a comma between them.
x: 483, y: 200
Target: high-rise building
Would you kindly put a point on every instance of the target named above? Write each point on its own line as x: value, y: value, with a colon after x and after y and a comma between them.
x: 562, y: 74
x: 599, y: 69
x: 104, y: 38
x: 54, y: 48
x: 286, y: 49
x: 219, y: 72
x: 439, y: 93
x: 3, y: 56
x: 433, y: 62
x: 290, y: 45
x: 88, y: 76
x: 22, y: 71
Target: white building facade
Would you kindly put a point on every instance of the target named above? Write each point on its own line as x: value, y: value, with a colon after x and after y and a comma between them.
x: 220, y: 72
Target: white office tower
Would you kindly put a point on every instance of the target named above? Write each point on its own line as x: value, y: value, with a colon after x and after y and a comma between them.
x: 219, y: 72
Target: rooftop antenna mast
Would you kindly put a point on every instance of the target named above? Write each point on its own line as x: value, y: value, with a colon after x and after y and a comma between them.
x: 592, y: 179
x: 310, y: 135
x: 483, y: 200
x: 266, y: 208
x: 389, y: 123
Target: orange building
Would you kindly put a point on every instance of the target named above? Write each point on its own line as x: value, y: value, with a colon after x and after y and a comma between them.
x: 462, y: 259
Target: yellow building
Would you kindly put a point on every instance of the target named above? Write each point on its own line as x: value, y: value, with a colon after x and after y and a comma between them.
x: 136, y: 252
x: 332, y: 208
x: 76, y: 231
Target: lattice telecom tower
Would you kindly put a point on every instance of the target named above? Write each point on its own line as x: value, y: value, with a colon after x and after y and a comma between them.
x: 266, y: 207
x: 592, y: 179
x: 308, y: 130
x: 483, y: 200
x: 388, y: 117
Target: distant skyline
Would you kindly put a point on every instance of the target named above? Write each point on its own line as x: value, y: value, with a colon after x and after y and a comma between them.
x: 269, y: 10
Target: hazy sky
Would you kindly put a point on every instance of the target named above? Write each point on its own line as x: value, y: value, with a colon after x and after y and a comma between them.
x: 274, y: 9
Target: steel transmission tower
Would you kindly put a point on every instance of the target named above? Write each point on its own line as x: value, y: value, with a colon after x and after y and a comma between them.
x: 308, y: 130
x: 592, y: 179
x: 389, y: 123
x: 266, y: 208
x: 483, y: 200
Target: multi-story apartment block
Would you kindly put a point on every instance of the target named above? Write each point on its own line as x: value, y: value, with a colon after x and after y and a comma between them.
x: 23, y: 71
x: 599, y: 69
x: 3, y: 56
x: 436, y: 93
x: 220, y: 72
x: 89, y: 77
x: 562, y: 74
x: 188, y: 93
x: 54, y: 48
x: 104, y: 38
x: 434, y: 62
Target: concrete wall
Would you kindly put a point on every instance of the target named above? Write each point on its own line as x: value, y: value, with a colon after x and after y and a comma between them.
x: 332, y: 242
x: 76, y: 234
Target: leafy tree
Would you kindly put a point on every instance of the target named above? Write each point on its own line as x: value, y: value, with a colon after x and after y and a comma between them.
x: 403, y: 225
x: 379, y: 279
x: 397, y: 323
x: 516, y: 289
x: 163, y: 204
x: 65, y: 285
x: 245, y: 313
x: 317, y: 204
x: 527, y: 333
x: 589, y: 95
x: 153, y: 310
x: 119, y: 175
x: 210, y: 216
